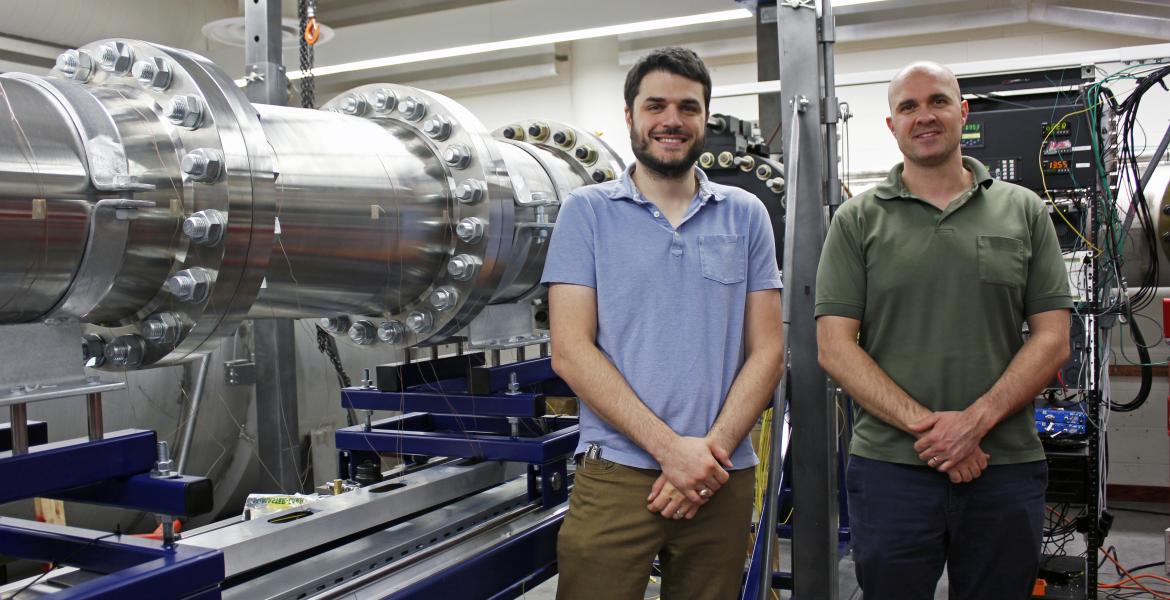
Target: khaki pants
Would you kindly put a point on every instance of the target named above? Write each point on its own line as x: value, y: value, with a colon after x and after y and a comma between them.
x: 609, y: 540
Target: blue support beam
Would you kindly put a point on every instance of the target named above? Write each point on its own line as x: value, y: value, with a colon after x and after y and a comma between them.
x: 398, y: 378
x: 179, y: 496
x: 464, y: 436
x: 63, y: 465
x: 517, y: 405
x: 38, y: 433
x: 490, y: 380
x: 132, y: 567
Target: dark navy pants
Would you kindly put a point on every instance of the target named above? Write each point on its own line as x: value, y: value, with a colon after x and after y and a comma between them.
x: 907, y: 521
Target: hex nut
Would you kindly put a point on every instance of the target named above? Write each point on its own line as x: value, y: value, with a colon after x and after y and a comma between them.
x: 126, y: 351
x: 470, y: 230
x: 354, y: 105
x: 116, y: 57
x: 93, y: 350
x: 190, y: 285
x: 444, y: 298
x: 154, y: 72
x: 162, y: 328
x: 385, y: 100
x: 334, y: 324
x: 204, y: 165
x: 420, y: 321
x: 457, y: 156
x: 205, y: 227
x: 363, y: 333
x: 413, y: 108
x: 185, y: 111
x: 76, y: 65
x: 470, y: 191
x: 463, y: 267
x: 391, y: 332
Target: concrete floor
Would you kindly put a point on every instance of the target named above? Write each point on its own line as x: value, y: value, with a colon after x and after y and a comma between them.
x: 1138, y: 538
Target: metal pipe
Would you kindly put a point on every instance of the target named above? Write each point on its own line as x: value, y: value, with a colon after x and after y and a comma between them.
x: 18, y: 422
x: 93, y: 408
x: 193, y: 412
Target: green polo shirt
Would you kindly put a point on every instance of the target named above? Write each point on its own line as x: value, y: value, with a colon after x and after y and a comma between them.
x: 942, y: 296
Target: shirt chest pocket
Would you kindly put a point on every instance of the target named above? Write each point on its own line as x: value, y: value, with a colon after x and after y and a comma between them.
x: 723, y: 258
x: 1001, y: 260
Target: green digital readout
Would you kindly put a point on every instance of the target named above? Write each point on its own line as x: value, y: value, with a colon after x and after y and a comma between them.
x: 1057, y: 129
x: 972, y: 136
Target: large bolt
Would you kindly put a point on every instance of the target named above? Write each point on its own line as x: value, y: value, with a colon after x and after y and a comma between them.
x: 413, y: 108
x: 93, y: 350
x: 116, y: 58
x: 353, y: 105
x: 163, y: 466
x: 725, y: 159
x: 764, y: 172
x: 420, y: 321
x: 470, y: 230
x: 538, y: 131
x: 76, y: 65
x: 153, y: 72
x: 514, y: 132
x: 586, y: 154
x: 186, y: 111
x: 602, y: 175
x: 444, y: 298
x: 564, y: 138
x: 391, y: 332
x: 162, y: 328
x: 462, y: 267
x: 126, y: 351
x: 437, y: 128
x: 205, y: 227
x: 363, y: 333
x: 334, y: 324
x: 470, y: 191
x: 385, y: 100
x: 457, y: 155
x: 190, y: 285
x: 204, y: 165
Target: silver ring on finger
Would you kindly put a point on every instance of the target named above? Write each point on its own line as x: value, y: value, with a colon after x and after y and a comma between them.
x: 678, y: 514
x: 705, y: 493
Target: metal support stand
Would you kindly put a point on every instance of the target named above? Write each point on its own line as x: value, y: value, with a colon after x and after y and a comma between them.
x: 806, y: 65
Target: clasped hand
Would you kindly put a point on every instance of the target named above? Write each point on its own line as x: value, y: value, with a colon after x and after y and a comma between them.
x: 692, y: 472
x: 948, y: 441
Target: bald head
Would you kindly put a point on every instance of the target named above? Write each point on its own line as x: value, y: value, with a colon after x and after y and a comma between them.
x: 918, y: 69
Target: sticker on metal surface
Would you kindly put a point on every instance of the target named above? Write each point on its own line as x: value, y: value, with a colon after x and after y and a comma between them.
x: 38, y: 209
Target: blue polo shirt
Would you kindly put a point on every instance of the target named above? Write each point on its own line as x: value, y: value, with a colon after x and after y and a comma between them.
x: 670, y: 302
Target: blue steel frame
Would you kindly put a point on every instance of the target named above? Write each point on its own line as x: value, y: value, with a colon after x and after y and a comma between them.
x: 114, y: 470
x: 133, y: 567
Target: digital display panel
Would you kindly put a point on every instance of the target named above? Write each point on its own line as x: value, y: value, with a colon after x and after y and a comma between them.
x: 1055, y: 165
x: 972, y: 135
x: 1057, y: 129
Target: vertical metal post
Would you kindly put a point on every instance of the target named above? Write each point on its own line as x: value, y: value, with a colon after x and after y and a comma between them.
x: 278, y: 427
x: 18, y: 423
x: 814, y: 464
x: 263, y: 71
x: 194, y: 403
x: 93, y: 409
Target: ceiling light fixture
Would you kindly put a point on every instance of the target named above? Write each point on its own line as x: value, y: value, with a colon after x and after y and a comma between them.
x: 524, y: 42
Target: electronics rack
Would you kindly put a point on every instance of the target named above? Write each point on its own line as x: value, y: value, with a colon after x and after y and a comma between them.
x: 1028, y: 134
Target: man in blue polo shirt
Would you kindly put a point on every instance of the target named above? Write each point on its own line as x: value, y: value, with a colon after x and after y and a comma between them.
x: 665, y: 314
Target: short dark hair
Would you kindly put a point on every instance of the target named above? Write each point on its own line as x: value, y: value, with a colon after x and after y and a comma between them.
x: 680, y: 61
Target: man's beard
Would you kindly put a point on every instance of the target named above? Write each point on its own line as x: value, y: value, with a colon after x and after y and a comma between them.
x: 672, y: 169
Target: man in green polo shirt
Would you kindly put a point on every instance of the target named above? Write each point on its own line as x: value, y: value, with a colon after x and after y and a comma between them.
x: 923, y: 287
